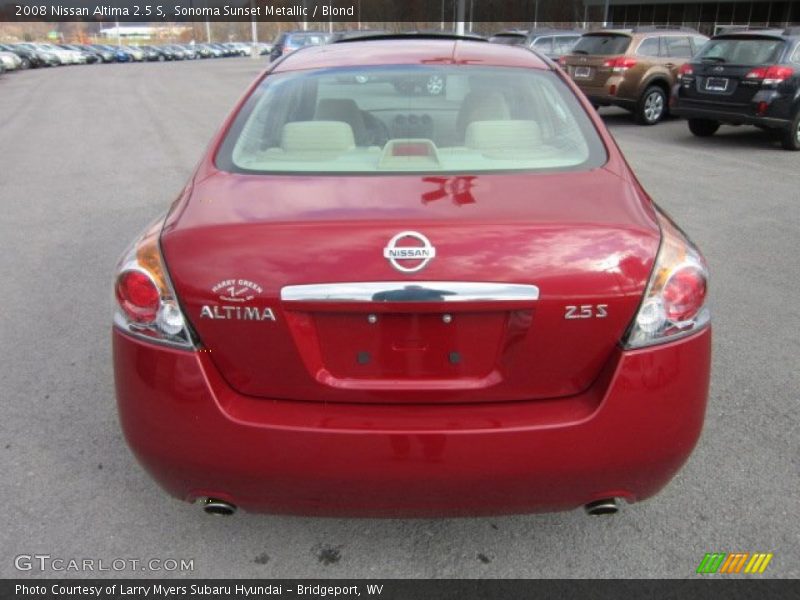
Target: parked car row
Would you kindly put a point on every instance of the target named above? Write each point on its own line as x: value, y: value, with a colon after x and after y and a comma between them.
x: 32, y: 55
x: 741, y: 76
x: 634, y: 69
x: 551, y: 42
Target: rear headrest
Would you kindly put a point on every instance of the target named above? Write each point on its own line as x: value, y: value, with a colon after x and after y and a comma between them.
x: 481, y: 106
x: 345, y: 110
x: 503, y: 135
x: 317, y: 136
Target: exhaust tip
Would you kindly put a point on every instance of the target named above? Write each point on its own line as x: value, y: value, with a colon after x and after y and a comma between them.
x: 606, y: 506
x: 214, y: 506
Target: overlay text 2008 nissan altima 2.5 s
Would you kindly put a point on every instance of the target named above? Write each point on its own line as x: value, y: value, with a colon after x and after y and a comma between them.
x: 366, y: 302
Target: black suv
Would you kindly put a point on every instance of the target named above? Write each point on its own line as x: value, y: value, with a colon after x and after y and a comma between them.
x: 743, y: 78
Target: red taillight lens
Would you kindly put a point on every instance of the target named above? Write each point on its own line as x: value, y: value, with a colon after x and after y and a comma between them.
x: 771, y: 75
x: 138, y: 296
x: 684, y: 294
x: 674, y: 303
x: 757, y: 73
x: 146, y: 305
x: 686, y: 69
x: 620, y: 63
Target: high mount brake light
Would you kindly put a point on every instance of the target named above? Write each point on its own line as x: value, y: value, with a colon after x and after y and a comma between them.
x: 674, y: 303
x: 146, y: 305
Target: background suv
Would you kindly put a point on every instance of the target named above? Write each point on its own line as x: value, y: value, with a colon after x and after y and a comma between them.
x: 290, y: 41
x: 747, y: 77
x: 632, y: 68
x: 553, y: 43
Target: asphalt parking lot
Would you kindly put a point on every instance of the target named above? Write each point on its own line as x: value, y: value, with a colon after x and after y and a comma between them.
x: 89, y: 155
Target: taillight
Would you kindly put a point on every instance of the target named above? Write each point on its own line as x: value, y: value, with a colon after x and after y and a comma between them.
x: 146, y: 305
x: 620, y: 64
x: 684, y: 293
x: 674, y: 303
x: 770, y: 75
x: 685, y: 70
x: 137, y: 295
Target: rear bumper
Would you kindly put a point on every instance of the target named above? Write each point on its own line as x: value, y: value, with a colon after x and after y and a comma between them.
x: 776, y: 115
x: 626, y: 436
x: 614, y: 92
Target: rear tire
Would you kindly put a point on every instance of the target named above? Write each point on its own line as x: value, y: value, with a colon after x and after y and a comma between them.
x: 25, y: 64
x: 703, y: 127
x: 790, y: 138
x: 652, y: 106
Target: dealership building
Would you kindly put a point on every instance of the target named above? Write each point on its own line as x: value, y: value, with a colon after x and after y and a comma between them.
x: 705, y: 15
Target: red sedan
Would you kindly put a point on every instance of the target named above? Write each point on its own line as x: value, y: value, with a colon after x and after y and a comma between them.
x: 371, y: 300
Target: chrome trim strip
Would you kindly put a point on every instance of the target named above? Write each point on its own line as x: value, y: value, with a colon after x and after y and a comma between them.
x: 411, y: 291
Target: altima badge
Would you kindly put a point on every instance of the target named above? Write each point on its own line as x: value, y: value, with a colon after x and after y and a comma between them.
x: 232, y: 292
x: 420, y: 255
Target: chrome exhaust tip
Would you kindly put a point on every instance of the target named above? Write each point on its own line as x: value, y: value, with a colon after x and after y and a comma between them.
x: 214, y: 506
x: 606, y: 506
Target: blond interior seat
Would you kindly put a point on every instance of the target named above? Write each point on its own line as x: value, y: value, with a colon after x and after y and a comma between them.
x: 345, y: 110
x: 503, y: 135
x: 481, y: 106
x: 317, y: 136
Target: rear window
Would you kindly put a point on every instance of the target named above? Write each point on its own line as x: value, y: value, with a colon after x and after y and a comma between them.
x: 411, y: 119
x: 603, y: 44
x: 743, y: 51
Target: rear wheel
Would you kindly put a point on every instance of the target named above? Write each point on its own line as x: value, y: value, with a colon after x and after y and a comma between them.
x: 790, y: 138
x: 652, y: 106
x: 703, y: 127
x: 25, y: 64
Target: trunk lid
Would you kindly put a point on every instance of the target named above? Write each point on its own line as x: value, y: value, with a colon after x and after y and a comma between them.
x: 724, y: 83
x: 263, y: 267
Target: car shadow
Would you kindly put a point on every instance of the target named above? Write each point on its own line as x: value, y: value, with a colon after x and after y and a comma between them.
x: 742, y: 137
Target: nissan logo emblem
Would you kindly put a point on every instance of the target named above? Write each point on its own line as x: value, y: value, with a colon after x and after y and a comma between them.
x: 415, y: 256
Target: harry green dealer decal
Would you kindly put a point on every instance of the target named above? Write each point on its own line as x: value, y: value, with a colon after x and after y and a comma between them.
x: 233, y: 293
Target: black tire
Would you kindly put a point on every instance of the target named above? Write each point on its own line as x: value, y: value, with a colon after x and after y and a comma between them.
x: 790, y: 138
x: 703, y: 127
x: 25, y: 63
x: 652, y: 106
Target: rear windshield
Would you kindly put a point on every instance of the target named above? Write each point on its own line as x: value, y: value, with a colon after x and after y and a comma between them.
x: 743, y: 51
x: 411, y: 119
x: 603, y: 44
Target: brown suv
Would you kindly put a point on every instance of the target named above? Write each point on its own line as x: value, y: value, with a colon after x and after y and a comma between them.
x: 632, y: 68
